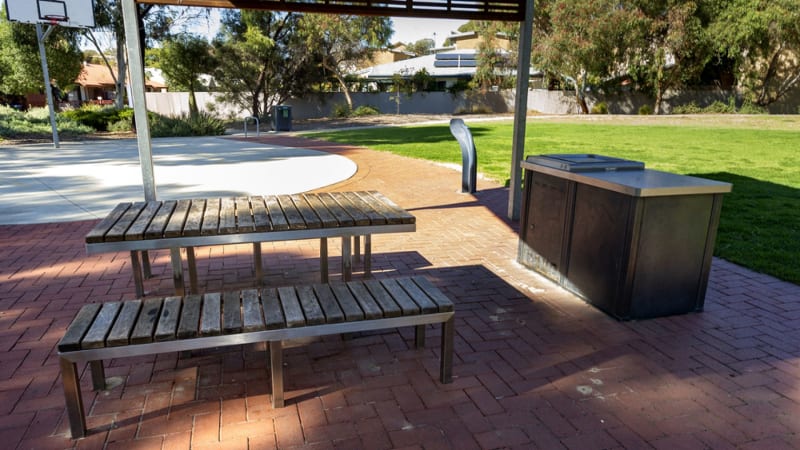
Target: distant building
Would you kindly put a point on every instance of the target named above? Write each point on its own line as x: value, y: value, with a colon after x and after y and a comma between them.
x: 472, y: 40
x: 446, y: 69
x: 95, y: 84
x: 396, y: 52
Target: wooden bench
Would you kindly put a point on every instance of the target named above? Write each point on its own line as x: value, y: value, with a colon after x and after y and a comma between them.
x: 175, y: 224
x: 180, y: 323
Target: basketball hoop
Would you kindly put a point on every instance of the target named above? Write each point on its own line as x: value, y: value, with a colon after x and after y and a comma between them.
x: 54, y: 19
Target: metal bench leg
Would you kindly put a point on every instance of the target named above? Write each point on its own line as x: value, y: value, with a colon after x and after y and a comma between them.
x: 419, y: 336
x: 98, y: 375
x: 323, y: 259
x: 347, y: 263
x: 257, y: 262
x: 136, y: 267
x: 72, y: 394
x: 191, y: 261
x: 368, y: 255
x: 276, y: 371
x: 446, y: 357
x: 177, y: 270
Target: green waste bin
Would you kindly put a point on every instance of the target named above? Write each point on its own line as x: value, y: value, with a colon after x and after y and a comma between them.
x: 282, y: 117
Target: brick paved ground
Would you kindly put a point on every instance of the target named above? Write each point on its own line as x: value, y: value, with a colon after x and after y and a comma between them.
x: 534, y: 366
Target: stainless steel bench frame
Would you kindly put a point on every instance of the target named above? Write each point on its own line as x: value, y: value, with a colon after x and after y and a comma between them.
x: 71, y: 379
x: 256, y: 238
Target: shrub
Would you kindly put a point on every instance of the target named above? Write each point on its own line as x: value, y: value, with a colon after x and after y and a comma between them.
x: 96, y: 116
x: 691, y: 108
x: 204, y: 124
x: 341, y: 110
x: 365, y: 110
x: 645, y: 110
x: 600, y: 108
x: 121, y: 126
x: 719, y: 107
x: 35, y: 124
x: 749, y: 108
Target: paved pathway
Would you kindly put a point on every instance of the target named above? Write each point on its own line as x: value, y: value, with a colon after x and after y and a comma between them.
x: 535, y: 367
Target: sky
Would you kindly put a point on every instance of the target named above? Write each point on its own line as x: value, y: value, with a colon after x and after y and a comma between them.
x: 406, y: 30
x: 413, y: 29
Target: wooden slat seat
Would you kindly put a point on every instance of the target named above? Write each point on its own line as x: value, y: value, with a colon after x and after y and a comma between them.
x: 176, y: 224
x: 159, y: 325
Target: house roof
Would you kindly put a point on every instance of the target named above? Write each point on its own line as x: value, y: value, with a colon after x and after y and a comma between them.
x: 449, y: 64
x: 455, y: 64
x: 98, y: 75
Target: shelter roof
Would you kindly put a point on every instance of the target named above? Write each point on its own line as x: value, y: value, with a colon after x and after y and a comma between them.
x: 508, y: 10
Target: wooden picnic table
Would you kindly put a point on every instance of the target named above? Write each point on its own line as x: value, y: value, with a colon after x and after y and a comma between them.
x: 174, y: 224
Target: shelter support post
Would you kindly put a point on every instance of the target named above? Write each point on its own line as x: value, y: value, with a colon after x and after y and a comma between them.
x: 520, y: 112
x: 133, y: 44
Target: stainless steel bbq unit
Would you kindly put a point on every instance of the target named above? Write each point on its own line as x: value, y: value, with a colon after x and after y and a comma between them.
x: 634, y: 242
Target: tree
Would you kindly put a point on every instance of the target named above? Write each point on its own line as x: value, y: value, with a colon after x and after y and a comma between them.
x: 421, y: 47
x: 262, y: 59
x: 156, y: 23
x: 763, y: 39
x: 673, y: 46
x: 20, y: 65
x: 342, y: 41
x: 182, y: 59
x: 582, y: 41
x: 495, y: 63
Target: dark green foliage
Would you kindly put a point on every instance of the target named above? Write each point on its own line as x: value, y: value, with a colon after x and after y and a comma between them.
x: 341, y: 110
x: 600, y: 108
x: 97, y: 117
x: 365, y: 110
x: 203, y: 124
x: 35, y: 124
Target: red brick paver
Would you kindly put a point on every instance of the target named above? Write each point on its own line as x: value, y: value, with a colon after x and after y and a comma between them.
x: 534, y: 366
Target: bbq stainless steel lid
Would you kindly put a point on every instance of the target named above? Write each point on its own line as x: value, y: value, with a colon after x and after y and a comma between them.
x: 584, y: 162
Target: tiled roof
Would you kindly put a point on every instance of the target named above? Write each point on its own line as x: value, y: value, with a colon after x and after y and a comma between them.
x: 98, y: 75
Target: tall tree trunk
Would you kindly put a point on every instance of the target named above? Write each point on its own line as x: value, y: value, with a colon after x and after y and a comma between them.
x: 345, y: 91
x: 193, y: 110
x: 122, y: 71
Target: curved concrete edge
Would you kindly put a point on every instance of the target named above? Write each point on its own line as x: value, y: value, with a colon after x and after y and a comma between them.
x: 85, y: 180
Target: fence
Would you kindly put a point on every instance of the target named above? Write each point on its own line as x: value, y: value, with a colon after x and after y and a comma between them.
x: 539, y: 100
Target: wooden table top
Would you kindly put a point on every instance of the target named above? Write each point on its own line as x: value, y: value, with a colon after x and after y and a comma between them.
x: 256, y: 214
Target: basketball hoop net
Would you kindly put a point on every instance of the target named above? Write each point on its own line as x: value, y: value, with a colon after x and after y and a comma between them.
x: 54, y: 19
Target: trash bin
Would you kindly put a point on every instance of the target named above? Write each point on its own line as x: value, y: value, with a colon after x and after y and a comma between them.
x: 633, y: 242
x: 282, y: 116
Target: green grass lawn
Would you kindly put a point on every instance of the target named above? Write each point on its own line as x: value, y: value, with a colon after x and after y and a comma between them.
x: 760, y: 155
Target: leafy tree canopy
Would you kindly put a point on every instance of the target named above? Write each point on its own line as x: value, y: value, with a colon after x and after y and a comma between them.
x: 20, y: 65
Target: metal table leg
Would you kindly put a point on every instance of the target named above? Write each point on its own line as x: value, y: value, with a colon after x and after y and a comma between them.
x: 323, y: 259
x: 276, y: 372
x: 347, y: 263
x: 72, y: 394
x: 368, y: 255
x: 148, y: 273
x: 446, y: 357
x: 136, y: 267
x: 257, y: 262
x: 192, y: 263
x: 177, y: 270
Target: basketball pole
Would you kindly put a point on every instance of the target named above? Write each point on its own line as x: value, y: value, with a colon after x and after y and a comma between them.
x: 41, y: 36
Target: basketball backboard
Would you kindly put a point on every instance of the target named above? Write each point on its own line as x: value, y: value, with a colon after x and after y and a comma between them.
x: 67, y: 13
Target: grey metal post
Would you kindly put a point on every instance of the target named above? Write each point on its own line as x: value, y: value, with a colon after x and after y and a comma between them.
x: 521, y: 112
x: 139, y: 101
x: 41, y: 36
